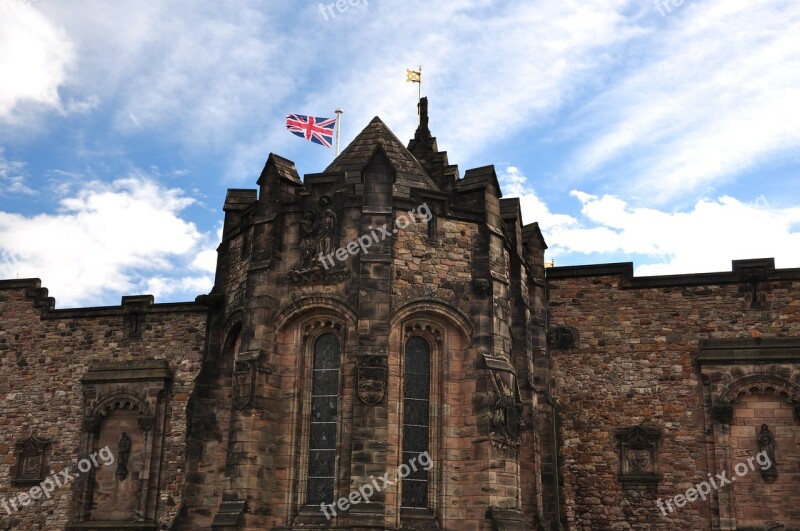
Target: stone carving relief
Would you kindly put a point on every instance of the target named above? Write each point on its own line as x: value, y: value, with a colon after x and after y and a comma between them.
x: 449, y: 293
x: 243, y: 381
x: 318, y: 238
x: 372, y: 378
x: 136, y: 433
x: 124, y: 450
x: 482, y: 286
x: 766, y: 444
x: 30, y: 467
x: 722, y: 410
x: 506, y: 408
x: 121, y: 400
x: 562, y: 337
x: 638, y: 454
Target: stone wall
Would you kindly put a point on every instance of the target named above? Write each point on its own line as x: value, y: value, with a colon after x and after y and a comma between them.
x: 422, y: 280
x: 639, y: 359
x: 44, y: 353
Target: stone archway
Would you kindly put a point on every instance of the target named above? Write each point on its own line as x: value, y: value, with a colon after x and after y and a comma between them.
x: 750, y: 386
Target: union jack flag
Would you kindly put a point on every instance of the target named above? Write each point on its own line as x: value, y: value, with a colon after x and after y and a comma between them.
x: 318, y: 130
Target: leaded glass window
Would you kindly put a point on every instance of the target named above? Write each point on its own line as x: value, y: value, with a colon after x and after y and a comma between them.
x: 324, y: 413
x: 416, y: 397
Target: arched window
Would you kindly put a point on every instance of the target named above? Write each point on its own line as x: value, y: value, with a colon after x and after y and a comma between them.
x: 416, y: 425
x: 324, y: 415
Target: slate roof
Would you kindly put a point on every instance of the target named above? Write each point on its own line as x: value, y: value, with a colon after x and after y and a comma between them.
x: 285, y: 168
x: 358, y: 153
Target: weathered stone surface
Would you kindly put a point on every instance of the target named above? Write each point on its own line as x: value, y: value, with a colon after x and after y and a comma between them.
x: 641, y: 358
x: 575, y: 399
x: 44, y: 395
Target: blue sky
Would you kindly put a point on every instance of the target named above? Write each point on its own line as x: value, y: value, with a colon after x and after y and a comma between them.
x: 662, y: 134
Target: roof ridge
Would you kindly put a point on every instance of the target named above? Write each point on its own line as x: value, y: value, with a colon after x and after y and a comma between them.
x: 392, y: 141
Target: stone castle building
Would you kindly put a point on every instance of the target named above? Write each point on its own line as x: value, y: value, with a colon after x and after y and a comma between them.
x: 386, y: 331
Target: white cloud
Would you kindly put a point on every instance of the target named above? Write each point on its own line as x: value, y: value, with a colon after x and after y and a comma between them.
x: 198, y: 73
x: 514, y: 184
x: 715, y: 94
x: 705, y: 238
x: 106, y: 240
x: 12, y: 177
x: 492, y: 70
x: 34, y: 55
x: 162, y: 287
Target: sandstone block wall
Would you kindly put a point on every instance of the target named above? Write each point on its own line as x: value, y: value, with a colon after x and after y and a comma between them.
x: 638, y: 360
x: 43, y: 355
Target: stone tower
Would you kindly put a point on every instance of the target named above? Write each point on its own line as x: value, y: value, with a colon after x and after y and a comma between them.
x: 381, y: 319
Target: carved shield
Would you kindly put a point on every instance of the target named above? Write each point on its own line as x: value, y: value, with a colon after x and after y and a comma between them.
x: 371, y: 384
x: 639, y: 460
x: 242, y: 385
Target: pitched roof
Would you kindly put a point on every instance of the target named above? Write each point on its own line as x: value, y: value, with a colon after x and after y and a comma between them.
x: 359, y: 152
x: 283, y: 166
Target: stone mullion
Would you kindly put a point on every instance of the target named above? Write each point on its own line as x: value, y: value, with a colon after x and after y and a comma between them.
x: 370, y: 422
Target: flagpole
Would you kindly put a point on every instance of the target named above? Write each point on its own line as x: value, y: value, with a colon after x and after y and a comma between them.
x: 419, y: 92
x: 338, y: 127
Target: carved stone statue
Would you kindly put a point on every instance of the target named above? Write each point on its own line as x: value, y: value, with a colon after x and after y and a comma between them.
x: 318, y: 245
x: 308, y: 241
x: 506, y: 414
x: 639, y: 460
x: 326, y: 227
x: 766, y: 444
x: 122, y: 458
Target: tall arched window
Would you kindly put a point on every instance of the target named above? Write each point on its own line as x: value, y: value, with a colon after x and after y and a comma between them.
x: 324, y: 414
x: 416, y: 400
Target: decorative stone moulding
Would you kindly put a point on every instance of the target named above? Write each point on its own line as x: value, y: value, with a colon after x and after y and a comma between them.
x: 482, y: 286
x: 505, y: 417
x: 319, y: 244
x: 562, y: 337
x: 426, y: 328
x: 722, y: 410
x: 322, y: 325
x: 244, y: 377
x: 31, y: 464
x: 638, y: 455
x: 135, y: 389
x: 372, y: 378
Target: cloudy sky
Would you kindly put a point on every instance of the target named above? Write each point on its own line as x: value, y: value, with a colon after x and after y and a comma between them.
x: 659, y: 134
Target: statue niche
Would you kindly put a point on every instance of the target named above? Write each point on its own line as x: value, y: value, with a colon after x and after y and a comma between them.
x: 318, y: 245
x: 30, y: 469
x: 638, y: 455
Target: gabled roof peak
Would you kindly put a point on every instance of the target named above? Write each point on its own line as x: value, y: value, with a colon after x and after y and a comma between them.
x: 377, y: 135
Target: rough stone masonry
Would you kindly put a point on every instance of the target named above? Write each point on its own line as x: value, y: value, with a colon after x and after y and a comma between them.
x: 560, y: 398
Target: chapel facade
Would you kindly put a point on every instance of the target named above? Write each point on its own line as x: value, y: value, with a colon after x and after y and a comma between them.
x: 384, y: 348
